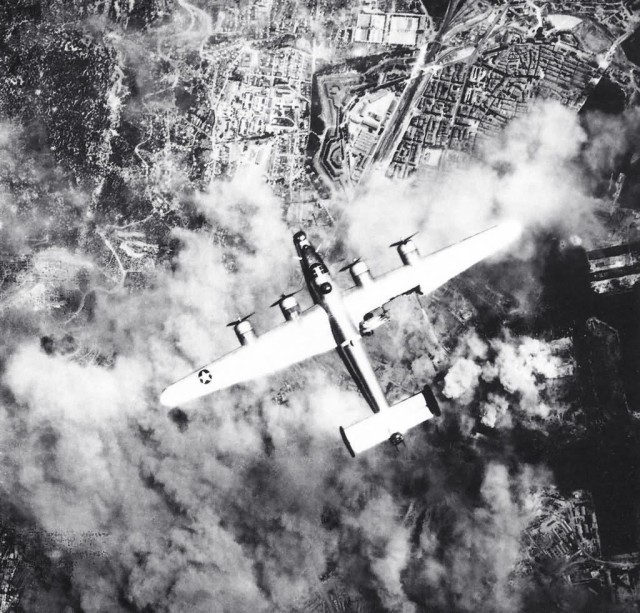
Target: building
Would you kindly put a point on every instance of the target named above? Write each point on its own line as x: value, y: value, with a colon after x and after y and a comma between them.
x: 389, y: 28
x: 614, y: 270
x: 602, y: 380
x: 565, y: 531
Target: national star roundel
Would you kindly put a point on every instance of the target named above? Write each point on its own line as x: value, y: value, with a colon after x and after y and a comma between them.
x: 204, y: 376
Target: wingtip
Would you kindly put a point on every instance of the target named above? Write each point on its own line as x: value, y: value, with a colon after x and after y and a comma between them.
x: 167, y: 398
x: 507, y: 232
x: 512, y: 229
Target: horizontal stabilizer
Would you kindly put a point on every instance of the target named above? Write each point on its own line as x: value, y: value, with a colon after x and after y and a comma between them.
x: 397, y: 419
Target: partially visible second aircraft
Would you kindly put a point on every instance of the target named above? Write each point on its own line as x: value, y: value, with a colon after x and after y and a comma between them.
x: 337, y: 320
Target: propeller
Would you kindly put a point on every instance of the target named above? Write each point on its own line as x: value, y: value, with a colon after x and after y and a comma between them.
x: 240, y: 320
x: 348, y: 266
x: 283, y: 296
x: 404, y: 241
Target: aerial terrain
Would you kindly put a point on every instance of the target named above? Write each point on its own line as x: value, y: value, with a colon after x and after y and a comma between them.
x: 156, y: 157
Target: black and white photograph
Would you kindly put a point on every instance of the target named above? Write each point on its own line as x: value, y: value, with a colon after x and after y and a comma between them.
x: 320, y: 306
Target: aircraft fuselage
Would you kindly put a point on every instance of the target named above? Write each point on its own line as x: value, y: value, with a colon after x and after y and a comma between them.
x: 326, y: 293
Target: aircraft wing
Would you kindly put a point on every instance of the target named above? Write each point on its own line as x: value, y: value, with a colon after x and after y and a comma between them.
x: 289, y: 343
x: 431, y: 271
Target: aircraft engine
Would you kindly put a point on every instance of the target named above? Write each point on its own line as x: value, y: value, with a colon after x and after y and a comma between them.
x: 244, y: 330
x: 407, y: 250
x: 289, y: 306
x: 360, y: 273
x: 372, y: 321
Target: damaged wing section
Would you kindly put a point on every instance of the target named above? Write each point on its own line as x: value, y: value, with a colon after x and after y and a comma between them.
x: 390, y: 424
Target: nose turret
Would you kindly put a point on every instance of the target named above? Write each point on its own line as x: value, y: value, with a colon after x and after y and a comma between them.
x: 302, y: 244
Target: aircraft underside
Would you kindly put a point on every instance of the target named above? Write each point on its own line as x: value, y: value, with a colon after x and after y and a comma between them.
x: 337, y: 320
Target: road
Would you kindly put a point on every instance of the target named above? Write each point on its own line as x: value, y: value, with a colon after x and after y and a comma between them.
x: 428, y: 62
x: 420, y: 77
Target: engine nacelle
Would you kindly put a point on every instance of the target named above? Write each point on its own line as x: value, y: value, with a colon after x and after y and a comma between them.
x: 360, y: 273
x: 372, y: 321
x: 408, y: 252
x: 244, y: 331
x: 289, y: 307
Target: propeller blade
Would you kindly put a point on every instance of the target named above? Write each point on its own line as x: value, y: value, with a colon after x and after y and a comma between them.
x: 283, y: 296
x: 348, y: 266
x: 240, y: 320
x: 403, y: 241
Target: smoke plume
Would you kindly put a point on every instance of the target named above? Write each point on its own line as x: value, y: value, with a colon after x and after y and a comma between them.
x: 537, y: 171
x: 248, y: 502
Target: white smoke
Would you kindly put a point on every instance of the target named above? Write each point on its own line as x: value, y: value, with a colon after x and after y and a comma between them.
x: 468, y: 550
x: 226, y: 514
x: 532, y: 172
x: 521, y: 365
x: 388, y: 550
x: 462, y: 379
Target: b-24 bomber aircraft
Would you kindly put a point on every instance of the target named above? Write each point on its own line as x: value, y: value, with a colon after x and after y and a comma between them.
x: 338, y: 320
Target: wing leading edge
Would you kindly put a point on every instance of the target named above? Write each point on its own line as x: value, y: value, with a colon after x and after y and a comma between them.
x: 289, y: 343
x: 431, y: 271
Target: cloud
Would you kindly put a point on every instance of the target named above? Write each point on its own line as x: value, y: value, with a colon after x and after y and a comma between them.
x: 611, y: 139
x: 388, y: 550
x: 246, y: 507
x: 509, y: 372
x: 209, y: 515
x: 470, y: 541
x: 462, y: 379
x: 533, y: 172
